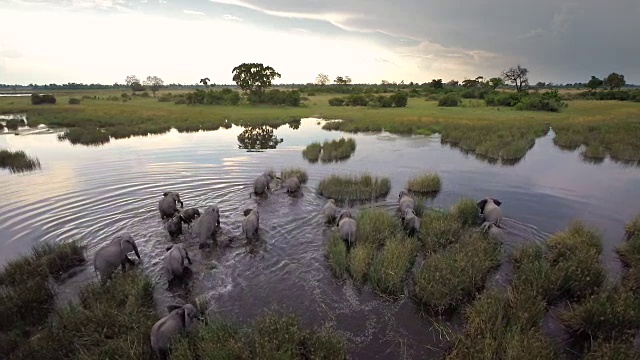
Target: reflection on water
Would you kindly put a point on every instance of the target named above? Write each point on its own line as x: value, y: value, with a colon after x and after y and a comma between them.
x: 257, y: 138
x: 93, y: 193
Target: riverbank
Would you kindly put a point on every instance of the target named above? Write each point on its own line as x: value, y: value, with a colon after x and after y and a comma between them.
x: 605, y: 128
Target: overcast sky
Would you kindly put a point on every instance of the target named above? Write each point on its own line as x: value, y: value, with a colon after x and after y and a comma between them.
x: 45, y: 41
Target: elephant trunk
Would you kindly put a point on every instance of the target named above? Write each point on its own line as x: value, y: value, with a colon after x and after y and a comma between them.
x: 135, y: 250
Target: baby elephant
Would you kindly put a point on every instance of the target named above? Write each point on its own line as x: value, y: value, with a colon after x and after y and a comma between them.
x: 490, y: 210
x: 292, y: 184
x: 114, y: 254
x: 411, y: 222
x: 174, y: 226
x: 405, y: 201
x: 347, y: 228
x: 167, y: 204
x: 330, y: 211
x: 494, y: 232
x: 174, y: 259
x: 251, y: 224
x: 207, y: 225
x: 189, y: 215
x: 261, y: 183
x: 180, y: 319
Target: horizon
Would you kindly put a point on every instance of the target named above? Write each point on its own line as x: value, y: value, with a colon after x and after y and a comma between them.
x: 103, y: 41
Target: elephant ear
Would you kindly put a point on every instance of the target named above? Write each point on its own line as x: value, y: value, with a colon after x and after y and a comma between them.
x: 172, y: 307
x: 168, y: 247
x: 481, y: 204
x: 164, y: 194
x: 246, y: 212
x: 496, y: 201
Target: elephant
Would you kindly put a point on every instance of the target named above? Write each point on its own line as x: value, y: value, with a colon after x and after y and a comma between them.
x: 490, y: 210
x: 251, y: 224
x: 189, y: 215
x: 174, y: 226
x: 179, y: 319
x: 405, y: 202
x: 167, y: 204
x: 292, y: 184
x: 330, y: 210
x: 494, y: 231
x: 261, y: 183
x: 411, y: 222
x: 114, y: 254
x: 174, y: 261
x: 207, y: 224
x: 347, y: 228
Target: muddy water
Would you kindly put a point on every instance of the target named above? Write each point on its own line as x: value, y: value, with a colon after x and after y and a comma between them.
x: 92, y: 193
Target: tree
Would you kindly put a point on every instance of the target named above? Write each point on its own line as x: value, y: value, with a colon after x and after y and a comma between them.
x: 517, y: 75
x: 342, y: 80
x: 594, y: 83
x: 436, y: 84
x: 347, y: 80
x: 614, y: 81
x: 384, y: 82
x: 205, y: 81
x: 154, y: 83
x: 540, y: 84
x: 254, y: 77
x: 469, y: 83
x: 453, y: 83
x: 322, y: 79
x: 133, y: 82
x: 496, y: 82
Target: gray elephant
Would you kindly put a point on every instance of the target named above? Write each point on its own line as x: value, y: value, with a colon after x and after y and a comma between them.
x: 490, y: 210
x: 114, y: 254
x: 405, y: 201
x: 207, y: 225
x: 174, y: 260
x: 411, y: 222
x: 179, y: 319
x: 330, y: 210
x: 251, y: 224
x: 168, y: 204
x: 174, y: 226
x: 189, y: 215
x: 292, y: 184
x: 261, y: 183
x: 347, y: 228
x: 493, y: 231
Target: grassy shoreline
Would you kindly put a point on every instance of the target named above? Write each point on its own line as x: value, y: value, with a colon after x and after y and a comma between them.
x: 606, y: 128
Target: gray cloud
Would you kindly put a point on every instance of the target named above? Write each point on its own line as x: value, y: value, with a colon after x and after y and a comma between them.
x: 561, y: 41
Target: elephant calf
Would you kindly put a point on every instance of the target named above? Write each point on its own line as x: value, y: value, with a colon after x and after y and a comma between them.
x: 168, y: 204
x: 292, y: 184
x: 114, y: 254
x: 180, y: 319
x: 490, y: 210
x: 174, y: 259
x: 411, y: 222
x: 261, y: 183
x: 494, y: 231
x: 251, y: 224
x: 347, y: 228
x: 207, y: 225
x: 174, y: 226
x: 189, y: 215
x: 330, y: 210
x: 405, y: 201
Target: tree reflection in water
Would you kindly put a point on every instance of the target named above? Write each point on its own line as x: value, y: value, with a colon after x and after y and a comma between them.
x: 258, y: 138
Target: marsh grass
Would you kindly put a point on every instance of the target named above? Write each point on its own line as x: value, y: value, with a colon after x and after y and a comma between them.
x: 336, y: 254
x: 337, y: 150
x: 390, y: 266
x: 271, y: 336
x: 360, y: 258
x: 466, y: 212
x: 629, y: 254
x: 362, y: 187
x: 452, y: 277
x: 18, y: 161
x: 59, y: 258
x: 375, y: 226
x: 425, y: 183
x: 440, y: 229
x: 301, y: 174
x: 85, y: 136
x: 312, y: 152
x: 618, y: 349
x: 632, y: 228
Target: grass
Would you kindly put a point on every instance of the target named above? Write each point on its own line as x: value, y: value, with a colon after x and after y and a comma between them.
x: 330, y: 151
x: 629, y: 253
x: 312, y: 152
x: 18, y: 161
x: 301, y: 174
x: 271, y: 336
x: 336, y: 254
x: 360, y: 259
x: 390, y: 266
x: 425, y: 183
x: 375, y: 226
x: 441, y: 229
x: 362, y: 187
x: 612, y: 350
x: 85, y: 136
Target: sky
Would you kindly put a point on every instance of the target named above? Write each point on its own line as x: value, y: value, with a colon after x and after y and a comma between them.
x: 182, y: 41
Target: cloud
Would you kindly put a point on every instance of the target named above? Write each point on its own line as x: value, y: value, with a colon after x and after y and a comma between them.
x: 301, y: 30
x: 191, y: 12
x: 231, y: 17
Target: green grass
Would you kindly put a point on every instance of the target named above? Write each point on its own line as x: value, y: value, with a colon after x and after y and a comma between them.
x: 301, y: 174
x: 629, y: 254
x: 312, y: 152
x: 612, y: 350
x: 330, y: 151
x: 425, y: 183
x: 360, y: 259
x: 440, y: 229
x: 466, y: 211
x: 362, y: 187
x: 390, y: 266
x: 375, y: 226
x: 336, y: 254
x: 18, y: 161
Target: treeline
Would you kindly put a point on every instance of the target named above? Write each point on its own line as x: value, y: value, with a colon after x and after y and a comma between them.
x: 397, y: 99
x: 231, y: 97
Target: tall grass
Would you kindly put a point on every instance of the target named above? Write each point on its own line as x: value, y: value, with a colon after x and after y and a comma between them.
x: 18, y: 161
x: 375, y: 226
x: 312, y: 152
x: 390, y: 266
x: 85, y: 136
x: 439, y: 230
x: 629, y: 254
x: 299, y: 173
x: 362, y: 187
x: 337, y: 150
x: 425, y: 183
x: 336, y: 254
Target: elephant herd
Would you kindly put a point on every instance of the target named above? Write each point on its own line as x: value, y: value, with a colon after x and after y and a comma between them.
x: 176, y: 258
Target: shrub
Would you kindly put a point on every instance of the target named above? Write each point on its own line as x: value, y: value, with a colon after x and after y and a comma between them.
x: 548, y: 101
x: 74, y: 101
x: 165, y: 98
x: 145, y: 94
x: 276, y: 97
x: 358, y: 188
x: 13, y: 124
x: 399, y: 99
x: 449, y: 100
x: 180, y: 102
x: 85, y: 136
x: 336, y: 101
x: 508, y: 99
x: 425, y: 183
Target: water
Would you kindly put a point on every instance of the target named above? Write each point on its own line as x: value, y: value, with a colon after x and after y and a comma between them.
x: 93, y: 193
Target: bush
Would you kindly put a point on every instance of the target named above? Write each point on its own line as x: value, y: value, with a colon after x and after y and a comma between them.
x: 449, y: 100
x: 13, y: 124
x: 548, y: 101
x: 504, y: 99
x: 74, y: 101
x: 336, y: 101
x: 37, y: 99
x: 276, y: 97
x: 165, y: 98
x: 180, y: 102
x: 399, y: 99
x: 85, y: 136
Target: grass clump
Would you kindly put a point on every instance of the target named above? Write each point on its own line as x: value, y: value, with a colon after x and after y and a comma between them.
x: 312, y: 152
x: 18, y: 161
x: 360, y: 259
x: 612, y: 350
x: 440, y: 229
x: 452, y: 277
x: 390, y: 266
x: 336, y: 254
x: 85, y: 136
x: 337, y: 150
x: 425, y: 183
x: 61, y: 257
x: 629, y: 253
x: 301, y: 174
x: 466, y: 212
x: 355, y: 188
x: 375, y: 226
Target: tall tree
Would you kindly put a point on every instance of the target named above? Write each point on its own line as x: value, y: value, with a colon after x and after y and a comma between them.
x: 254, y: 77
x: 614, y: 81
x: 594, y: 83
x: 347, y: 80
x: 436, y: 84
x: 339, y: 80
x: 154, y: 83
x: 495, y: 82
x: 517, y: 75
x: 205, y: 81
x: 133, y: 82
x: 322, y: 79
x: 453, y: 83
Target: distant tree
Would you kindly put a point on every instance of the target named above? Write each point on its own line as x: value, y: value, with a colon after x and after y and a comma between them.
x: 205, y: 81
x: 384, y: 82
x: 154, y: 83
x: 436, y: 84
x: 479, y: 79
x: 133, y: 82
x: 495, y: 82
x: 594, y: 83
x: 322, y: 79
x: 453, y: 83
x: 540, y: 84
x: 469, y: 83
x: 342, y: 80
x: 614, y: 81
x: 347, y: 80
x: 254, y: 77
x: 517, y: 75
